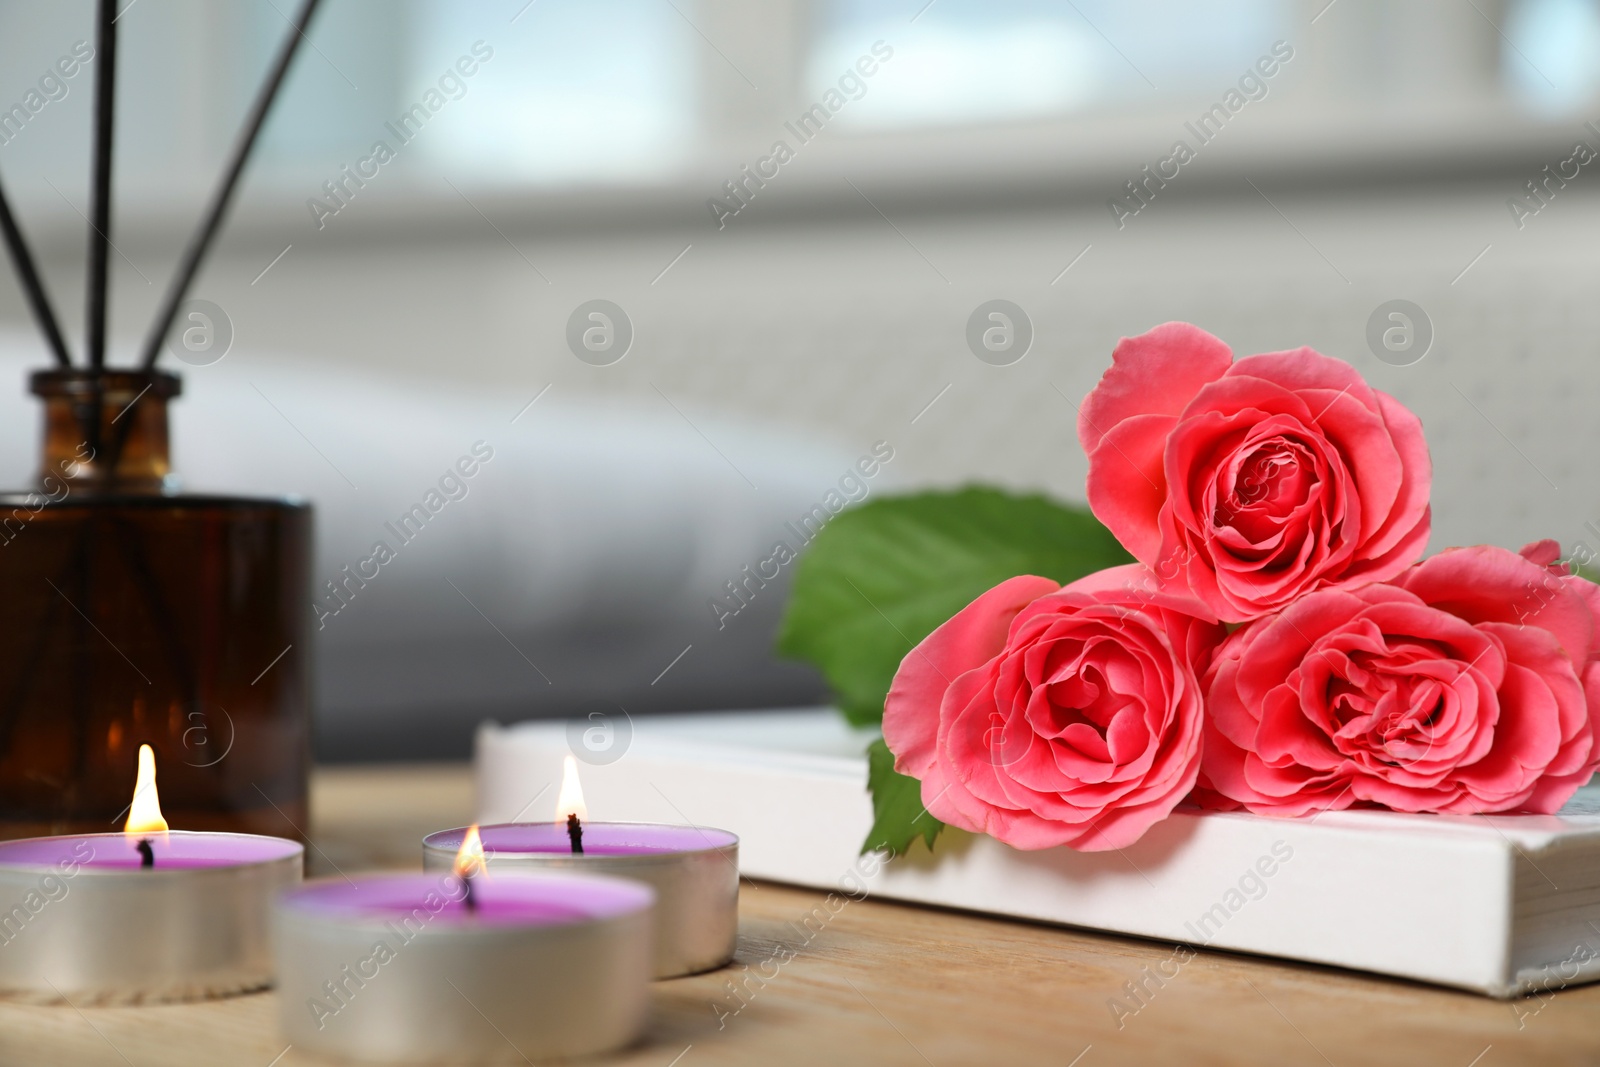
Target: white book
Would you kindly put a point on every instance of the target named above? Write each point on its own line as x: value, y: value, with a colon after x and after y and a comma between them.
x: 1499, y: 904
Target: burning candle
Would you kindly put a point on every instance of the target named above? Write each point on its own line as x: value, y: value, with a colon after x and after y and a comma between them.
x: 462, y: 964
x: 149, y: 914
x: 144, y: 811
x: 694, y: 870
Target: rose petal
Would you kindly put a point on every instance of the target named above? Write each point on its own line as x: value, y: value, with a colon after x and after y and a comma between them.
x: 971, y: 637
x: 1156, y: 373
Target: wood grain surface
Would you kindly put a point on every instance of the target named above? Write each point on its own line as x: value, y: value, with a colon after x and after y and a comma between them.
x: 880, y: 983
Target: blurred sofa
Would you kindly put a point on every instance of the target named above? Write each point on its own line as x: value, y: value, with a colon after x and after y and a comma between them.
x: 573, y: 567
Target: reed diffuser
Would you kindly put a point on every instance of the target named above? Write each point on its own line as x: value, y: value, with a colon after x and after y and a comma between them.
x: 135, y: 613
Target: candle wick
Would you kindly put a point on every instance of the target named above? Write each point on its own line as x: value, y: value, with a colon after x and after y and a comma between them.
x: 469, y: 899
x: 147, y: 854
x: 575, y: 832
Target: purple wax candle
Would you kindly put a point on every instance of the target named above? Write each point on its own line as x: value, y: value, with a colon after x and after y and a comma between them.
x: 398, y: 967
x: 517, y: 901
x: 694, y: 871
x: 82, y: 919
x: 507, y: 841
x: 173, y: 850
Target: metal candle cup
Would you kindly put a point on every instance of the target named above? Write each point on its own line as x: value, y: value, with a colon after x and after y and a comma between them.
x: 397, y: 968
x: 694, y: 871
x: 80, y: 918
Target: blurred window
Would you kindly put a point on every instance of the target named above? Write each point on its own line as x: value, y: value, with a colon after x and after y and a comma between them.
x: 653, y: 92
x: 1551, y: 58
x: 962, y: 61
x: 576, y: 90
x: 581, y: 90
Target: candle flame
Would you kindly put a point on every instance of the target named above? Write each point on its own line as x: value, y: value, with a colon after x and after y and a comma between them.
x: 469, y: 857
x: 570, y: 800
x: 144, y: 814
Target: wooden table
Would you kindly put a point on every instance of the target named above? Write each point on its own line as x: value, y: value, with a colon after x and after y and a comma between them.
x: 879, y: 984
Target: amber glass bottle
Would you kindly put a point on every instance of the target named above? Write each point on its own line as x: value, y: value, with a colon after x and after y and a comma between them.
x: 138, y: 614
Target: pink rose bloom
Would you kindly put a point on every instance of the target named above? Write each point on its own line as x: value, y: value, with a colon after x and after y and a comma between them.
x: 1046, y: 715
x: 1252, y: 483
x: 1469, y: 684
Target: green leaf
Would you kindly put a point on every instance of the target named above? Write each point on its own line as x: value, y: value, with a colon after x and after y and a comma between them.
x: 881, y: 577
x: 896, y: 805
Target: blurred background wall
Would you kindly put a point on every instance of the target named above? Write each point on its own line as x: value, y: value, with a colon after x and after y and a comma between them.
x: 1436, y: 152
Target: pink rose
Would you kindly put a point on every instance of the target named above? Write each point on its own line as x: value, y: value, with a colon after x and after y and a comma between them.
x: 1044, y: 715
x: 1252, y: 483
x: 1469, y: 684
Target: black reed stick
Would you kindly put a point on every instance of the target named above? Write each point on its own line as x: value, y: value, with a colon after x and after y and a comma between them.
x: 105, y: 85
x: 220, y: 198
x: 32, y: 284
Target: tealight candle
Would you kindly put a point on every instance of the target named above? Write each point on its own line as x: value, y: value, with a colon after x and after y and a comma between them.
x: 468, y: 965
x: 150, y: 914
x: 693, y: 870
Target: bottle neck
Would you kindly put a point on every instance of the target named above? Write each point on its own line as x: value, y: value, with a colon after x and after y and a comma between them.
x: 105, y: 430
